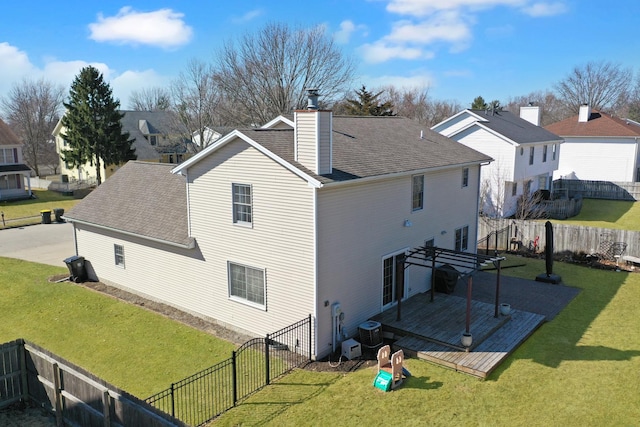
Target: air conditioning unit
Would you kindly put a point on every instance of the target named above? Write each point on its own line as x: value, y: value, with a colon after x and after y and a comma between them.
x: 351, y: 349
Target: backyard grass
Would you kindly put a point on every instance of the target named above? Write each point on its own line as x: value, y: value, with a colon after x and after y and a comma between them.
x: 24, y: 212
x: 616, y: 214
x: 581, y: 369
x: 137, y: 350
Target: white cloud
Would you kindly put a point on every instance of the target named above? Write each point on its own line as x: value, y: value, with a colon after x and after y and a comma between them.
x: 347, y: 28
x: 249, y: 16
x: 164, y: 28
x: 421, y: 80
x: 382, y: 51
x: 545, y: 9
x: 130, y: 81
x: 447, y: 27
x: 426, y: 7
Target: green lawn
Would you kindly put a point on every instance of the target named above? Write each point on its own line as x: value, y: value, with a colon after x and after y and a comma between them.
x: 614, y: 214
x: 137, y: 350
x: 30, y: 209
x: 581, y: 369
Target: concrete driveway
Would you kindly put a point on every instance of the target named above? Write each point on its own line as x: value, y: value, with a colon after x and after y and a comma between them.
x: 44, y: 243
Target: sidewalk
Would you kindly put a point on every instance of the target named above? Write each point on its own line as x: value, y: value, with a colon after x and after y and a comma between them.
x: 44, y: 243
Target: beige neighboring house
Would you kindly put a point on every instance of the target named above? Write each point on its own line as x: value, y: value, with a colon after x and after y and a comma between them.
x: 157, y: 135
x: 526, y: 155
x: 15, y: 181
x: 270, y: 225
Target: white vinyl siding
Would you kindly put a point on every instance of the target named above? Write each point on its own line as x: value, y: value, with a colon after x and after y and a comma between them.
x: 313, y: 140
x: 605, y: 159
x: 351, y: 249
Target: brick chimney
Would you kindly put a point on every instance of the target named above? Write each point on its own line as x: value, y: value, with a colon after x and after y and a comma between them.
x: 313, y: 139
x: 531, y: 113
x: 584, y: 114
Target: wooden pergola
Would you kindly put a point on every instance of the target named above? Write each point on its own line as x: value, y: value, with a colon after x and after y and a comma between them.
x: 433, y: 257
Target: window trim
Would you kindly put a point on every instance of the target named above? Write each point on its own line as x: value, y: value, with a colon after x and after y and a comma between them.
x: 553, y: 151
x: 514, y: 189
x: 532, y: 154
x: 420, y: 195
x: 465, y: 177
x: 235, y: 205
x: 119, y: 258
x: 544, y: 154
x: 240, y: 298
x: 464, y: 239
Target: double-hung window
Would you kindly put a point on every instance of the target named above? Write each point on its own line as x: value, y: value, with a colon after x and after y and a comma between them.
x: 544, y: 153
x: 247, y: 284
x: 465, y: 177
x: 118, y: 252
x: 462, y: 238
x: 417, y: 192
x: 532, y: 151
x: 242, y: 204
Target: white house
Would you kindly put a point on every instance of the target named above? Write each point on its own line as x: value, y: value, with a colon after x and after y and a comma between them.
x: 599, y: 147
x: 15, y: 181
x: 525, y: 154
x: 270, y: 225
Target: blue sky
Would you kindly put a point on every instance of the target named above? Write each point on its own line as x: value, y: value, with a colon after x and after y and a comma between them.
x: 458, y: 49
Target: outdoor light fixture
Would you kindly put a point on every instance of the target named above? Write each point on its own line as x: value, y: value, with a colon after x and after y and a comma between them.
x: 407, y: 223
x: 443, y: 232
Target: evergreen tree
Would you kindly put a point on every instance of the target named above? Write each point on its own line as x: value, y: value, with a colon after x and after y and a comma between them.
x: 479, y: 104
x: 92, y: 122
x: 368, y: 104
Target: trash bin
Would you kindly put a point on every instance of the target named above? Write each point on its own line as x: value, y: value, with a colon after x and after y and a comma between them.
x: 77, y: 269
x: 46, y: 216
x: 446, y: 278
x: 58, y: 212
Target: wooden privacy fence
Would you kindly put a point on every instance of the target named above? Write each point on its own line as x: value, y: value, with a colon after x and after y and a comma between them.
x: 598, y: 189
x: 508, y: 234
x: 29, y: 372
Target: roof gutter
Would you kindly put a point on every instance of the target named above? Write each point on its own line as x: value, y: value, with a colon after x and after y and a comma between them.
x: 190, y: 245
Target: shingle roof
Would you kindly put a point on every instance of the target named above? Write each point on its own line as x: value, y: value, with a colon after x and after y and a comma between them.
x: 367, y: 146
x: 148, y: 200
x: 156, y: 122
x: 515, y: 128
x: 140, y: 198
x: 599, y: 124
x: 7, y: 137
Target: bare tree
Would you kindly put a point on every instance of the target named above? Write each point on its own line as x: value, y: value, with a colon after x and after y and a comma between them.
x: 195, y: 100
x: 266, y: 73
x: 150, y: 99
x: 416, y: 104
x: 32, y: 109
x: 603, y: 85
x: 553, y: 109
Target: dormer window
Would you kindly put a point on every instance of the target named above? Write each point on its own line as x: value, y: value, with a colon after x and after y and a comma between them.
x: 153, y: 139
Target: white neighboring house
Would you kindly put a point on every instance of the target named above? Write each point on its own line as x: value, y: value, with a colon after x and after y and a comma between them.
x: 598, y: 147
x: 210, y: 135
x: 15, y: 181
x: 270, y: 225
x: 525, y: 154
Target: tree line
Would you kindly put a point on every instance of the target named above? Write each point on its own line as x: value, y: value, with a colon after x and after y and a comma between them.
x: 259, y: 76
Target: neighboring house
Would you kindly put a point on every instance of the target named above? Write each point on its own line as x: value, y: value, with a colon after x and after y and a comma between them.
x: 270, y: 225
x: 15, y: 181
x: 598, y: 147
x: 158, y: 137
x: 525, y: 154
x: 210, y: 135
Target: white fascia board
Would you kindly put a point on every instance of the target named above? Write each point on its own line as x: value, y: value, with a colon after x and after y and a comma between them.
x: 279, y: 119
x: 182, y: 168
x: 467, y: 112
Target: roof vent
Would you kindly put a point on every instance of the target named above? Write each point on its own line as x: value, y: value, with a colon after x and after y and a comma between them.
x: 312, y: 103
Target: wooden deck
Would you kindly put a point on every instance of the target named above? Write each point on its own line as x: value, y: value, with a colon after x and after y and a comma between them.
x: 432, y: 330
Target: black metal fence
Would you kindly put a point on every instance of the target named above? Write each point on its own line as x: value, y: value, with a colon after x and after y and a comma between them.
x: 208, y: 393
x: 495, y: 241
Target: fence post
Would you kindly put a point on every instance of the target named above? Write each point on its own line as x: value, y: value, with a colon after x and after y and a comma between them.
x: 57, y: 395
x: 266, y: 359
x: 173, y: 405
x: 309, y: 337
x: 106, y: 408
x: 234, y: 378
x: 23, y: 371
